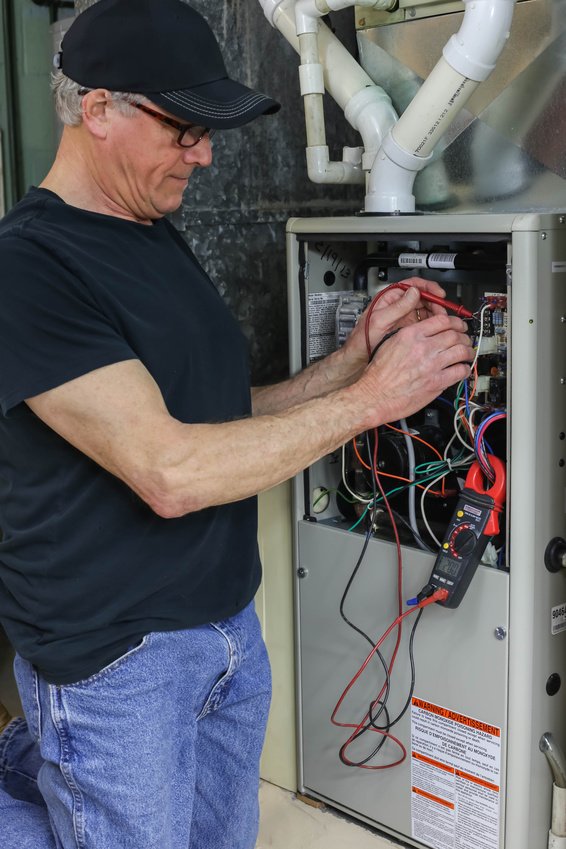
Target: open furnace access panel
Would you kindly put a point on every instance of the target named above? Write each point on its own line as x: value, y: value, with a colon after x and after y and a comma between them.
x: 454, y: 723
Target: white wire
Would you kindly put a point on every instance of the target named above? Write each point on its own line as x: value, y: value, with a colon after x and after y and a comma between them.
x: 423, y: 513
x: 480, y: 337
x: 457, y: 425
x: 412, y: 490
x: 353, y: 494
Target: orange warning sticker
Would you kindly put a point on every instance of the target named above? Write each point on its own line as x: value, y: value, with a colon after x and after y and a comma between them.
x: 432, y: 798
x: 455, y: 778
x: 457, y: 717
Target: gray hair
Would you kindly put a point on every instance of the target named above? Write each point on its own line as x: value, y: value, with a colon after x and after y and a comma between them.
x: 69, y: 103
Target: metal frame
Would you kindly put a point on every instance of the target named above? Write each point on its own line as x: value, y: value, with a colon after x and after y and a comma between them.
x: 536, y: 514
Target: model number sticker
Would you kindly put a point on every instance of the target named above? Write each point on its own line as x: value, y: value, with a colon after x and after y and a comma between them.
x: 558, y: 619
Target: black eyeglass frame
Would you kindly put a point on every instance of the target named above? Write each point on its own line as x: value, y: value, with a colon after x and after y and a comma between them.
x: 171, y: 122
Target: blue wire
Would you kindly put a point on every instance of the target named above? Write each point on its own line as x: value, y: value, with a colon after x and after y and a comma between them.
x: 479, y: 441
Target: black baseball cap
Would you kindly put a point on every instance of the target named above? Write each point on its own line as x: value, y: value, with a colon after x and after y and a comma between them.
x: 165, y: 50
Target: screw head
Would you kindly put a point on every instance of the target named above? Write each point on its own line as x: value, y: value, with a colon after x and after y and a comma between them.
x: 500, y: 632
x: 302, y: 572
x: 543, y: 236
x: 412, y: 13
x: 562, y: 219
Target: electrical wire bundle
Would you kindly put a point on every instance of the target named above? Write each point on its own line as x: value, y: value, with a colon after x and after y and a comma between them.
x: 465, y: 445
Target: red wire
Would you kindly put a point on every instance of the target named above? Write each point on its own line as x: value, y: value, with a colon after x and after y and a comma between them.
x: 371, y: 309
x: 439, y: 594
x: 398, y: 621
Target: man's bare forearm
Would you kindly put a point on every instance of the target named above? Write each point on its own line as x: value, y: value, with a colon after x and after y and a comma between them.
x: 334, y: 372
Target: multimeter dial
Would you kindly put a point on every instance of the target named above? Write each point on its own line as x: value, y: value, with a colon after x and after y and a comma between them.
x: 463, y: 541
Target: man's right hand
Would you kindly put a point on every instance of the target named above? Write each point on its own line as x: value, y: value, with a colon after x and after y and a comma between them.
x: 413, y: 367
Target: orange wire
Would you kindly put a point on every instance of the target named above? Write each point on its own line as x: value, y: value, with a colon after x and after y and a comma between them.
x: 428, y: 445
x: 418, y: 438
x: 475, y: 383
x: 387, y: 475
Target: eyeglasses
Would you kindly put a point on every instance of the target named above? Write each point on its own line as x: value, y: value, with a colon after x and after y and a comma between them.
x: 189, y: 134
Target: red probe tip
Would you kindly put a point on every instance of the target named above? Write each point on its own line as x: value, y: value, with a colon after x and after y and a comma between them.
x: 460, y: 310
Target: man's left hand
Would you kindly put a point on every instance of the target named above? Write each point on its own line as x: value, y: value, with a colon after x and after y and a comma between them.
x: 395, y: 309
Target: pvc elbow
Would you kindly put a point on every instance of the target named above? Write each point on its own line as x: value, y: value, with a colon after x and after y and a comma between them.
x: 321, y: 170
x: 371, y: 113
x: 474, y: 50
x: 306, y: 16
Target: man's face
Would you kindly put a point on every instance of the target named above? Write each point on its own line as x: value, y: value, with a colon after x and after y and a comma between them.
x: 150, y: 170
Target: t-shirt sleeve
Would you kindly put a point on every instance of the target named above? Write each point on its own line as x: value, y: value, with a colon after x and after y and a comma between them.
x: 52, y: 330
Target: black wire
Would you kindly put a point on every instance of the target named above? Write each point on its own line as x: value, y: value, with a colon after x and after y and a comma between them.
x: 372, y: 717
x: 348, y: 762
x: 359, y: 630
x: 392, y: 722
x: 372, y: 723
x: 363, y: 634
x: 400, y: 518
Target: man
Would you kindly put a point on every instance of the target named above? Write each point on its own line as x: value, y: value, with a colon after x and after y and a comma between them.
x: 131, y: 455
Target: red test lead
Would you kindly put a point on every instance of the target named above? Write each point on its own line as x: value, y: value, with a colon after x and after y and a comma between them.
x: 460, y: 310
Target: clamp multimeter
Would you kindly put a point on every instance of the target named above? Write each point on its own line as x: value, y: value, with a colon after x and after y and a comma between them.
x: 475, y: 521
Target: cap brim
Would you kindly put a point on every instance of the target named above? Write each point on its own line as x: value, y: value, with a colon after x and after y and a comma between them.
x: 220, y: 104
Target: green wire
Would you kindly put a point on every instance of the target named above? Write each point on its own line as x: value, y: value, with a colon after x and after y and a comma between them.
x: 360, y: 519
x: 329, y: 492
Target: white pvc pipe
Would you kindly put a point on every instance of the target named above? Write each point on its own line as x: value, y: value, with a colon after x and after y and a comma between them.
x: 558, y: 827
x: 367, y: 107
x: 468, y: 59
x: 442, y: 95
x: 320, y: 168
x: 307, y: 11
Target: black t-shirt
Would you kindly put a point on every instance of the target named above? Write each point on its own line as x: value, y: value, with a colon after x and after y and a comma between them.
x: 86, y: 567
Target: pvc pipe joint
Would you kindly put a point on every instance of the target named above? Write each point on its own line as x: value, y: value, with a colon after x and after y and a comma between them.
x: 269, y: 9
x: 383, y: 5
x: 311, y: 79
x: 473, y: 51
x: 404, y: 158
x: 390, y: 187
x: 371, y: 113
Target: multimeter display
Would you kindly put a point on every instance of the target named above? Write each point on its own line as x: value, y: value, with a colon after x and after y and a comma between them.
x: 446, y: 566
x: 463, y: 546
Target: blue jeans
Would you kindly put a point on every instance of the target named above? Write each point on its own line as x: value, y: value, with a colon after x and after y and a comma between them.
x: 159, y: 750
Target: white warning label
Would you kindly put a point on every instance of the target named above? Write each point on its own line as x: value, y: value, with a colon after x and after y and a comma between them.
x: 321, y: 323
x: 455, y: 779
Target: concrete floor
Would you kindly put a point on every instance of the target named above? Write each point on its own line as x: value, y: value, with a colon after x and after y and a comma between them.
x: 287, y: 823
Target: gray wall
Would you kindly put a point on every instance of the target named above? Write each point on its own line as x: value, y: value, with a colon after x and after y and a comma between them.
x: 234, y: 213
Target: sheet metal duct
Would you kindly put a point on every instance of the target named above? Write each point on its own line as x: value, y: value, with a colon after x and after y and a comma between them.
x: 506, y: 151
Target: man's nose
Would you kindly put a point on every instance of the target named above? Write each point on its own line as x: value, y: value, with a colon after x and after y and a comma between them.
x: 199, y: 154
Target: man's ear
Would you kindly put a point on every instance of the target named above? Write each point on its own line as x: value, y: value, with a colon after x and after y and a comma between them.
x: 95, y: 112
